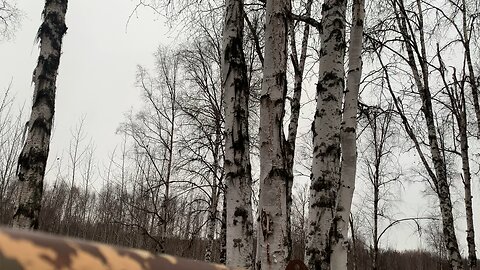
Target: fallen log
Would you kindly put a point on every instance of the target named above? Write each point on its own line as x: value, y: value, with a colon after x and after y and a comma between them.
x: 27, y: 250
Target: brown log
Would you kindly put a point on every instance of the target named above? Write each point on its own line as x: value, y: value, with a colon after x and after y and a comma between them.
x: 27, y: 250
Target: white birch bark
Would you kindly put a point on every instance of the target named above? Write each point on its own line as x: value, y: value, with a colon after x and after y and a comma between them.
x: 326, y: 135
x: 348, y: 140
x: 273, y: 245
x: 33, y: 158
x: 238, y: 178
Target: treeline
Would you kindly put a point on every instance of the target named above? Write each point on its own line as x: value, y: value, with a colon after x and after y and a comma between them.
x: 106, y: 219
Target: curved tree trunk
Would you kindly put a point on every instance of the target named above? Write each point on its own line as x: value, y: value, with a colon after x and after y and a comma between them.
x: 348, y: 139
x: 326, y: 135
x: 273, y: 244
x: 238, y: 177
x: 33, y: 158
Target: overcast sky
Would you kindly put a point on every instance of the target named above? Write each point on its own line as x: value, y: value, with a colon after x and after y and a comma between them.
x: 97, y: 74
x: 97, y: 70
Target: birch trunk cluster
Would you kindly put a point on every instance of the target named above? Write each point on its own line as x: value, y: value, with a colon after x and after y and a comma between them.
x: 33, y: 158
x: 348, y: 139
x: 238, y: 178
x: 325, y: 177
x: 273, y: 233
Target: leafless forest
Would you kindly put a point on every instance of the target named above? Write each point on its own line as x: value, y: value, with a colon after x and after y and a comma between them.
x: 277, y: 130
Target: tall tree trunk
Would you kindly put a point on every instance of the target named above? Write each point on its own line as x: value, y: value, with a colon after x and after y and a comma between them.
x: 468, y: 57
x: 326, y: 135
x: 273, y: 244
x: 441, y: 178
x: 456, y: 94
x: 223, y: 233
x: 33, y: 158
x: 348, y: 140
x: 238, y: 177
x: 299, y: 68
x: 472, y: 257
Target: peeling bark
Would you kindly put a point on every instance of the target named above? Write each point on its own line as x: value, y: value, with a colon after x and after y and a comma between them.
x: 273, y: 245
x: 238, y: 177
x: 348, y: 140
x: 33, y: 158
x: 326, y: 135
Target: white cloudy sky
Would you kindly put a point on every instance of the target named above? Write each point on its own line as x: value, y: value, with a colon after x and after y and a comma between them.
x: 97, y: 70
x: 97, y: 75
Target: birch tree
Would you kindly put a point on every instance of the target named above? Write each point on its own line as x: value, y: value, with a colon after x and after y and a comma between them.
x: 348, y: 139
x: 417, y: 57
x: 33, y: 158
x: 238, y: 177
x: 410, y: 47
x: 458, y: 107
x: 325, y: 175
x: 273, y: 243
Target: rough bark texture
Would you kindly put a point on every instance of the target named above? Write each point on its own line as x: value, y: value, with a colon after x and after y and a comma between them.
x: 441, y: 179
x: 348, y: 140
x: 326, y: 135
x: 33, y: 158
x: 273, y: 245
x: 238, y: 177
